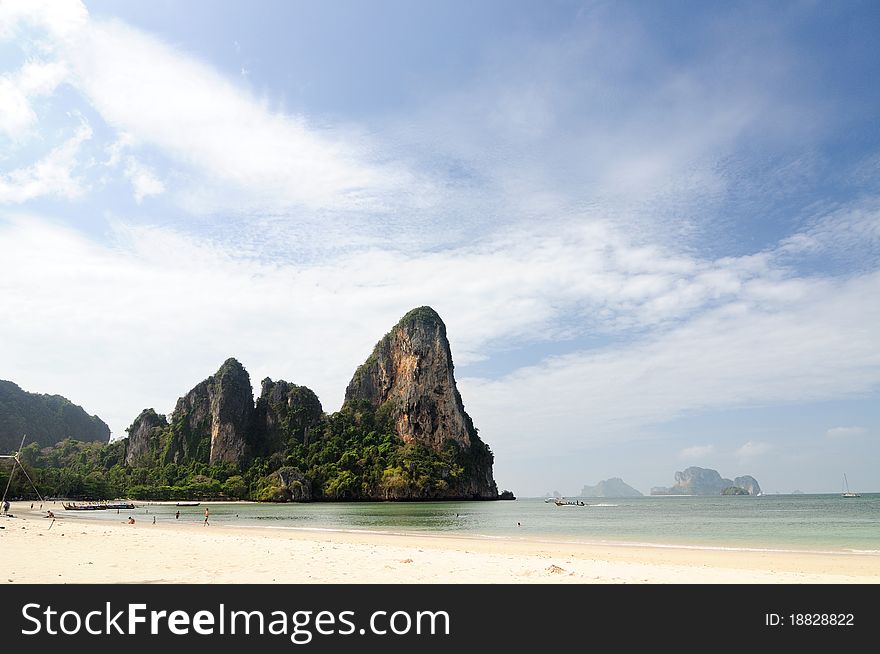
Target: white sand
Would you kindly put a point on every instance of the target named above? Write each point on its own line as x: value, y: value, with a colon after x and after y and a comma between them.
x: 79, y: 550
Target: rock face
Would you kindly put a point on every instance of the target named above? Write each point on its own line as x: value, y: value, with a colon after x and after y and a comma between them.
x: 402, y: 433
x: 232, y: 403
x: 145, y: 439
x: 44, y: 419
x: 284, y: 413
x: 748, y: 484
x: 212, y: 421
x: 704, y: 481
x: 287, y: 485
x: 410, y: 374
x: 409, y: 378
x: 614, y: 487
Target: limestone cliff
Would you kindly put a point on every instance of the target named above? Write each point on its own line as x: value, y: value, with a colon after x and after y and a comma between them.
x: 285, y: 413
x: 145, y: 437
x: 232, y: 403
x: 409, y: 379
x: 211, y: 423
x: 749, y: 484
x: 704, y: 481
x: 410, y: 374
x: 402, y: 433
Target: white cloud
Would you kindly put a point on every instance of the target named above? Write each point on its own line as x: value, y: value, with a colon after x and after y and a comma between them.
x: 696, y: 452
x: 143, y: 180
x: 34, y: 79
x: 16, y: 114
x: 747, y: 352
x: 845, y: 432
x: 752, y: 449
x: 846, y: 232
x: 167, y: 99
x: 59, y: 18
x: 172, y: 309
x: 238, y: 151
x: 53, y: 175
x: 40, y: 78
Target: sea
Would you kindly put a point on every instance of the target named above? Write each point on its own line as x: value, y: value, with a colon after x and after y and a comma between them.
x: 827, y: 523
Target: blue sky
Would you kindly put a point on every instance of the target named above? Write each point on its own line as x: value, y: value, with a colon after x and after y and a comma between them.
x: 653, y: 229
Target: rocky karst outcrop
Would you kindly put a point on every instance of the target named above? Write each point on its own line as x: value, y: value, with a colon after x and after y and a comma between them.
x: 402, y: 433
x: 284, y: 413
x: 748, y: 484
x: 212, y: 422
x: 409, y: 379
x: 410, y: 374
x: 145, y: 438
x: 705, y: 481
x: 232, y: 405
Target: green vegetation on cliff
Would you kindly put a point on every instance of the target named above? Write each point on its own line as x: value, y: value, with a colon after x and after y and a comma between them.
x: 353, y: 455
x: 45, y: 419
x: 402, y: 434
x: 734, y: 490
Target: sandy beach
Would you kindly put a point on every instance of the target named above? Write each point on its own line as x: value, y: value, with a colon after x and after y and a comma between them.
x: 77, y: 550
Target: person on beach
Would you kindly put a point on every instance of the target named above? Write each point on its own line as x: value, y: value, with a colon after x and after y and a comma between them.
x: 130, y: 520
x: 206, y: 515
x: 49, y: 514
x: 177, y: 516
x: 154, y: 519
x: 5, y: 507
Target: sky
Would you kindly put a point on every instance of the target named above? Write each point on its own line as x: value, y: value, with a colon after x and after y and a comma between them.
x: 652, y: 229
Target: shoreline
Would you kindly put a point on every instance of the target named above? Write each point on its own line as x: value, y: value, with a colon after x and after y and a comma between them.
x: 545, y: 539
x: 109, y: 551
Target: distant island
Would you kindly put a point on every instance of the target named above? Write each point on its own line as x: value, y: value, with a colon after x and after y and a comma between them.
x: 613, y: 487
x: 401, y: 434
x: 705, y: 481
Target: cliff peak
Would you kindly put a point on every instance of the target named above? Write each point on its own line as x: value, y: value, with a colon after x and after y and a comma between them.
x: 212, y: 420
x: 409, y: 378
x: 410, y: 375
x: 424, y: 315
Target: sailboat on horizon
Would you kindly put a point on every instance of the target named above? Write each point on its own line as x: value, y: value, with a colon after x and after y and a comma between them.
x: 846, y: 491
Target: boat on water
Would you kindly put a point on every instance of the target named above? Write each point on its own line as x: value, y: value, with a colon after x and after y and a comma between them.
x: 96, y: 506
x: 187, y: 503
x: 570, y: 503
x: 846, y: 491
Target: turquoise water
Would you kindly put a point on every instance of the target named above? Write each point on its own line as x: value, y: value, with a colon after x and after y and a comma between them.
x: 797, y: 522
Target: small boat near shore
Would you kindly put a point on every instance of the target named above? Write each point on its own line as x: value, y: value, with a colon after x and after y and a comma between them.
x: 187, y: 503
x: 96, y: 506
x: 570, y: 503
